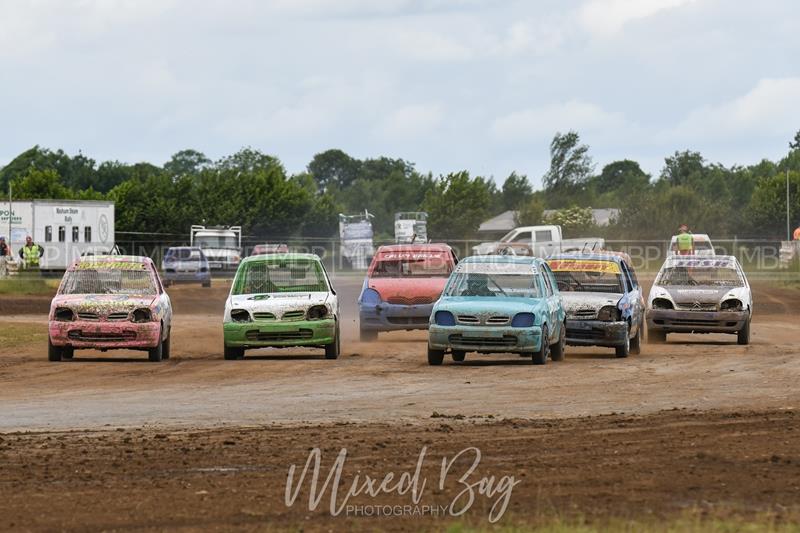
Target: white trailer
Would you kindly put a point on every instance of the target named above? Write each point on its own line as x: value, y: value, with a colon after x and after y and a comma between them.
x: 410, y: 227
x: 355, y: 232
x: 66, y: 229
x: 222, y: 245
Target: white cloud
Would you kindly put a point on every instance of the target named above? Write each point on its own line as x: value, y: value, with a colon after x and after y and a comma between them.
x: 770, y: 108
x: 412, y: 121
x: 606, y: 17
x: 541, y: 123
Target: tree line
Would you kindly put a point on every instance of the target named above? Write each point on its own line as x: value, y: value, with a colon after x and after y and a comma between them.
x: 253, y: 189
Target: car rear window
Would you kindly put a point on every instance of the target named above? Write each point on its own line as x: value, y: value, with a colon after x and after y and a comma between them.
x: 411, y: 264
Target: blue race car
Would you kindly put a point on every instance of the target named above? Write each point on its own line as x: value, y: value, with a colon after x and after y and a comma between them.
x: 499, y: 304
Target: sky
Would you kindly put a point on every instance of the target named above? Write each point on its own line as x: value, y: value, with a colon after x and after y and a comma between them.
x: 480, y: 85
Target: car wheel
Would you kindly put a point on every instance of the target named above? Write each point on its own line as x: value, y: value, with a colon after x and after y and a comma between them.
x: 368, y: 335
x: 625, y: 349
x: 156, y: 354
x: 559, y: 349
x: 332, y: 350
x: 207, y: 284
x: 67, y: 352
x: 53, y: 352
x: 435, y: 357
x: 656, y: 336
x: 458, y: 355
x: 165, y: 345
x: 636, y: 342
x: 540, y: 357
x: 743, y: 337
x: 233, y: 353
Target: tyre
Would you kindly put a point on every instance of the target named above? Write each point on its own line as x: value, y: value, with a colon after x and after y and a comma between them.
x: 458, y: 355
x: 156, y: 354
x: 625, y: 349
x: 636, y: 342
x: 207, y: 284
x: 67, y: 352
x: 435, y: 357
x: 53, y: 352
x: 165, y: 345
x: 656, y: 336
x: 233, y: 353
x: 332, y: 350
x: 559, y: 349
x: 743, y: 336
x: 540, y: 357
x: 368, y: 335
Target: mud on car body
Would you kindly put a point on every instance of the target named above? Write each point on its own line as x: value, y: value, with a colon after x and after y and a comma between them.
x: 108, y: 303
x: 402, y: 284
x: 603, y: 300
x: 498, y: 304
x: 700, y: 294
x: 279, y: 301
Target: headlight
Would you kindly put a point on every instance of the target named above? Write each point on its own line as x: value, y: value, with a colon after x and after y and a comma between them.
x: 662, y: 303
x: 370, y: 297
x: 522, y: 320
x: 444, y: 318
x: 317, y: 312
x: 240, y: 315
x: 732, y: 305
x: 64, y: 314
x: 141, y: 315
x: 608, y: 313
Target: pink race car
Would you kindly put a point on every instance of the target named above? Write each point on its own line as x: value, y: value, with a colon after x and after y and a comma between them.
x: 108, y: 303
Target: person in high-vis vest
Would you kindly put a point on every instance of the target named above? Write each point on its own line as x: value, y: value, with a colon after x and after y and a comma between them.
x: 30, y: 254
x: 684, y: 242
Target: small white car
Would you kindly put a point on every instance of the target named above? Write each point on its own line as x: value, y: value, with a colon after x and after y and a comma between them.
x: 278, y: 301
x: 700, y: 294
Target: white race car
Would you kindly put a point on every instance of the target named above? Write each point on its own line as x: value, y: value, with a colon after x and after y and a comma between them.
x: 700, y: 294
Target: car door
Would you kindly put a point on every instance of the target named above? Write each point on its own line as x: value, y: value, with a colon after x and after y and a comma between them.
x: 559, y: 315
x: 550, y: 303
x: 164, y: 303
x: 631, y: 302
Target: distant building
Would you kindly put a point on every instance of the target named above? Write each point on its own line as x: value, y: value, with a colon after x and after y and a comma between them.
x: 507, y: 220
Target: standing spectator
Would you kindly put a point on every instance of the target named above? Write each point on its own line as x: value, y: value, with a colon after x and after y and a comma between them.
x: 5, y: 253
x: 30, y: 254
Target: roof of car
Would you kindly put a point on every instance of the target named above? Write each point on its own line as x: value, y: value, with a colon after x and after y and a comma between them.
x: 701, y: 259
x: 113, y: 259
x: 594, y: 256
x: 184, y: 248
x: 432, y: 247
x: 518, y: 259
x: 281, y: 257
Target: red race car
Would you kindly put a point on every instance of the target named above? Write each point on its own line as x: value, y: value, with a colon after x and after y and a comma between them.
x: 402, y: 284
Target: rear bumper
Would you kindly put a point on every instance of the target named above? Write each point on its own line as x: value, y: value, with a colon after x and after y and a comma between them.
x: 596, y: 333
x: 669, y: 320
x: 485, y: 339
x: 279, y: 334
x: 105, y: 335
x: 393, y: 317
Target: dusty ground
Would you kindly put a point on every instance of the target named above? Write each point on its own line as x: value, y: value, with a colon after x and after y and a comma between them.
x: 110, y: 441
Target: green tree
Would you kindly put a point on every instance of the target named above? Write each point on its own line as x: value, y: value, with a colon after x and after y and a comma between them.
x: 186, y: 162
x: 456, y: 205
x: 36, y: 183
x: 683, y: 167
x: 795, y: 144
x: 248, y: 160
x: 334, y: 168
x: 570, y: 163
x: 516, y: 191
x: 531, y: 213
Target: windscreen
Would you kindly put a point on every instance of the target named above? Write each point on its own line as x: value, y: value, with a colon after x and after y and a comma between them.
x: 183, y: 254
x: 494, y: 280
x: 410, y: 265
x: 579, y: 275
x: 700, y: 275
x: 217, y: 241
x: 267, y: 277
x: 109, y: 278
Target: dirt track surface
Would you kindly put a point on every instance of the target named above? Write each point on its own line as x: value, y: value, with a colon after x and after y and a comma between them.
x: 209, y: 441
